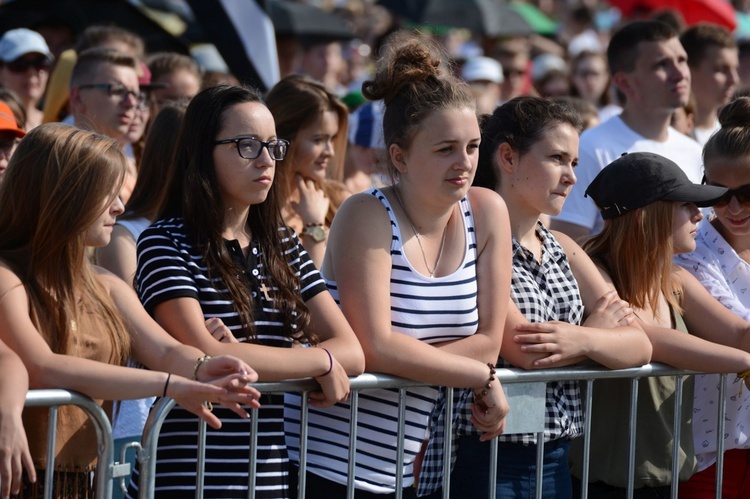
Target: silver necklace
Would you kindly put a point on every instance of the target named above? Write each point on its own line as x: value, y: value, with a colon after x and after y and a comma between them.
x: 419, y: 240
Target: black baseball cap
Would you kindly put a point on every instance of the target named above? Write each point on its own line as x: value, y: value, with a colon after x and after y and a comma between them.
x: 637, y: 179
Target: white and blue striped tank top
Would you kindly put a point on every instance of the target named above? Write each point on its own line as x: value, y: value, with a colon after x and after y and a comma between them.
x: 429, y: 309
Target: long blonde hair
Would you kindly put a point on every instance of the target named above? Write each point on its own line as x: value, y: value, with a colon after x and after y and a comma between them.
x: 56, y: 185
x: 636, y: 249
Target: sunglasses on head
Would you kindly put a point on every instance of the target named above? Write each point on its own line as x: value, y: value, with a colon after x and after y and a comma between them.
x: 23, y: 65
x: 742, y: 193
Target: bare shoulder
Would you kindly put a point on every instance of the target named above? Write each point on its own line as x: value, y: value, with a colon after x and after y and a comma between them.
x: 490, y: 214
x: 486, y: 205
x: 111, y: 282
x: 9, y: 280
x: 571, y: 248
x: 360, y: 211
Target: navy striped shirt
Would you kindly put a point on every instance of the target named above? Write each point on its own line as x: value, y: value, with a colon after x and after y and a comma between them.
x: 170, y: 267
x: 429, y: 309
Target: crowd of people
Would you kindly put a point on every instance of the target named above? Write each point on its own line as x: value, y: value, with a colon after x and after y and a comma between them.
x: 437, y: 214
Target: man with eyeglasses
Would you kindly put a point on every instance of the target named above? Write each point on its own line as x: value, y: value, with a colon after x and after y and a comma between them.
x: 25, y: 60
x: 105, y: 97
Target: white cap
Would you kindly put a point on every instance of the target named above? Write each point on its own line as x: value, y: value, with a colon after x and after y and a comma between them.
x: 545, y: 63
x: 482, y: 69
x: 19, y: 42
x: 208, y: 58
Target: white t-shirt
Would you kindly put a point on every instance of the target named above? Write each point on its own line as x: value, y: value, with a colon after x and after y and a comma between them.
x: 605, y: 143
x: 703, y: 134
x: 727, y: 277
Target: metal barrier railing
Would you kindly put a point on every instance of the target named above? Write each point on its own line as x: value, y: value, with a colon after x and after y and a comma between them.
x: 106, y: 469
x: 522, y: 387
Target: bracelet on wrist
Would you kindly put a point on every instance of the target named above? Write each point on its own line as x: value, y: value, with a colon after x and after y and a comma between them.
x: 330, y: 363
x: 199, y: 363
x: 480, y: 393
x: 166, y: 385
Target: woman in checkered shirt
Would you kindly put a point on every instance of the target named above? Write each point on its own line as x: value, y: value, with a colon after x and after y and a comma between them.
x: 528, y: 154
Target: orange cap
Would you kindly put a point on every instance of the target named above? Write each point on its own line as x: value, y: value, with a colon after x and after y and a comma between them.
x: 8, y: 121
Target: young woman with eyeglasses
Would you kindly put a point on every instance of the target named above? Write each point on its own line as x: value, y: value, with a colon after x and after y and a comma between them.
x: 721, y: 262
x: 316, y: 123
x: 221, y: 250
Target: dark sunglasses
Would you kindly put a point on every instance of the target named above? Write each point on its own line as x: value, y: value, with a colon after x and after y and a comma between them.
x: 508, y: 73
x: 742, y: 193
x: 23, y: 65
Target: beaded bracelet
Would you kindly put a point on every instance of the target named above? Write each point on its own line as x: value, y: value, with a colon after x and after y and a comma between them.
x: 479, y: 396
x: 166, y: 385
x: 741, y: 376
x: 199, y: 363
x: 330, y: 363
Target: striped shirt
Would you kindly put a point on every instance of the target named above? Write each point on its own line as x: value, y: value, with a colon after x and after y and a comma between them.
x: 429, y: 309
x: 170, y: 267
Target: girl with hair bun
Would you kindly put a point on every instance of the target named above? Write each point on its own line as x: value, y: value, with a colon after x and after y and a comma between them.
x: 721, y: 262
x: 421, y: 269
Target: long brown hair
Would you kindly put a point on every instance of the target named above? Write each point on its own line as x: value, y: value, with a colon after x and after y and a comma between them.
x: 296, y: 102
x: 57, y: 184
x: 636, y: 249
x: 157, y: 166
x: 194, y: 195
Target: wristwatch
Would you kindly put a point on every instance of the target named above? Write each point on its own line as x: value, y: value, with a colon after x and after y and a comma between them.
x: 317, y: 231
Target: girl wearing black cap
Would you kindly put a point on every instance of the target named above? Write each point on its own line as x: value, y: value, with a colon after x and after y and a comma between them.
x: 528, y: 154
x: 721, y: 262
x: 650, y: 210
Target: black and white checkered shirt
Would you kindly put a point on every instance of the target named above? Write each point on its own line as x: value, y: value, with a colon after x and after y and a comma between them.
x: 546, y: 292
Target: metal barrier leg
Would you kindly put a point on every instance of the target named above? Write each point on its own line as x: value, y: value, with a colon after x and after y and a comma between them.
x: 676, y: 435
x: 587, y: 409
x: 632, y: 424
x: 493, y: 467
x: 447, y: 443
x: 400, y: 443
x: 49, y: 473
x: 352, y: 446
x: 304, y: 417
x: 201, y: 461
x: 251, y: 474
x: 539, y: 481
x: 720, y: 429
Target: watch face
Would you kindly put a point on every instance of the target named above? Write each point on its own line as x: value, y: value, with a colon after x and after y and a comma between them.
x: 317, y: 232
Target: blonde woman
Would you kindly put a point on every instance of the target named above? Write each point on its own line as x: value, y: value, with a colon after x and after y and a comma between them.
x: 74, y: 324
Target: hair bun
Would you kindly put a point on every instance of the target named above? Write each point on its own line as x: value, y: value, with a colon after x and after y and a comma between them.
x: 410, y: 60
x: 736, y: 114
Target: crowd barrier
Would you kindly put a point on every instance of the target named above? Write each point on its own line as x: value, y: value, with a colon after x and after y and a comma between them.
x: 525, y: 391
x: 106, y: 469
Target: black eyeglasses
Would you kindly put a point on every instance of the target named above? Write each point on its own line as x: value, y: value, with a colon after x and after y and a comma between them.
x: 23, y: 65
x: 250, y: 147
x: 119, y: 92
